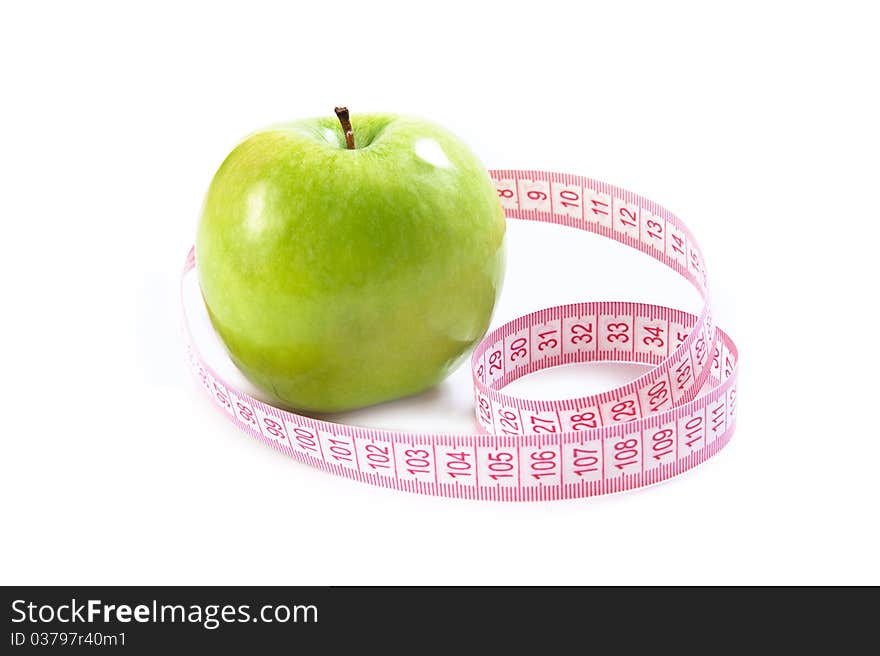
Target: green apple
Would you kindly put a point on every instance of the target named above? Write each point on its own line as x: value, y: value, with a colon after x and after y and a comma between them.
x: 344, y: 263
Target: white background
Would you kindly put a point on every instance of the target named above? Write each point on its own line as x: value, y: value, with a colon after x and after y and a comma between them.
x: 757, y: 124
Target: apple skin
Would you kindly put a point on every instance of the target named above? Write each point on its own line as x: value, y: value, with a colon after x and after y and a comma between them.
x: 341, y: 278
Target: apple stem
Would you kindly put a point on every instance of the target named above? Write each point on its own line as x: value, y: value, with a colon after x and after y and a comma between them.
x: 342, y: 115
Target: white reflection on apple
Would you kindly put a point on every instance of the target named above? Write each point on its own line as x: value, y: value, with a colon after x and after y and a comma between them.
x: 255, y: 220
x: 431, y: 152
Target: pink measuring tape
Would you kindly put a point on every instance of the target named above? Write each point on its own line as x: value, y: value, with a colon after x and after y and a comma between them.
x: 675, y: 416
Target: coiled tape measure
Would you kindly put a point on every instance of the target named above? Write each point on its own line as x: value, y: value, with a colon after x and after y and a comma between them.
x: 675, y: 416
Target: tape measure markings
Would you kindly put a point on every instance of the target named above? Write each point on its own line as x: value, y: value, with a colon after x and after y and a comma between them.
x: 666, y: 421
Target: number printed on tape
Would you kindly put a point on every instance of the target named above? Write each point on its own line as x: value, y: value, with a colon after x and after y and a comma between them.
x: 582, y: 462
x: 597, y: 208
x: 271, y: 426
x: 584, y: 418
x: 417, y: 462
x: 546, y: 340
x: 652, y: 336
x: 338, y: 449
x: 653, y: 231
x: 661, y: 445
x: 457, y: 465
x: 541, y: 464
x: 579, y: 333
x: 534, y: 195
x: 244, y: 411
x: 304, y: 438
x: 495, y: 364
x: 506, y: 188
x: 508, y: 419
x: 616, y: 333
x: 498, y: 465
x: 626, y: 219
x: 567, y: 199
x: 655, y: 395
x: 517, y: 349
x: 376, y: 457
x: 623, y: 455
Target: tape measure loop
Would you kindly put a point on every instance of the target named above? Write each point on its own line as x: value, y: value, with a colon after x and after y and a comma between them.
x: 666, y: 421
